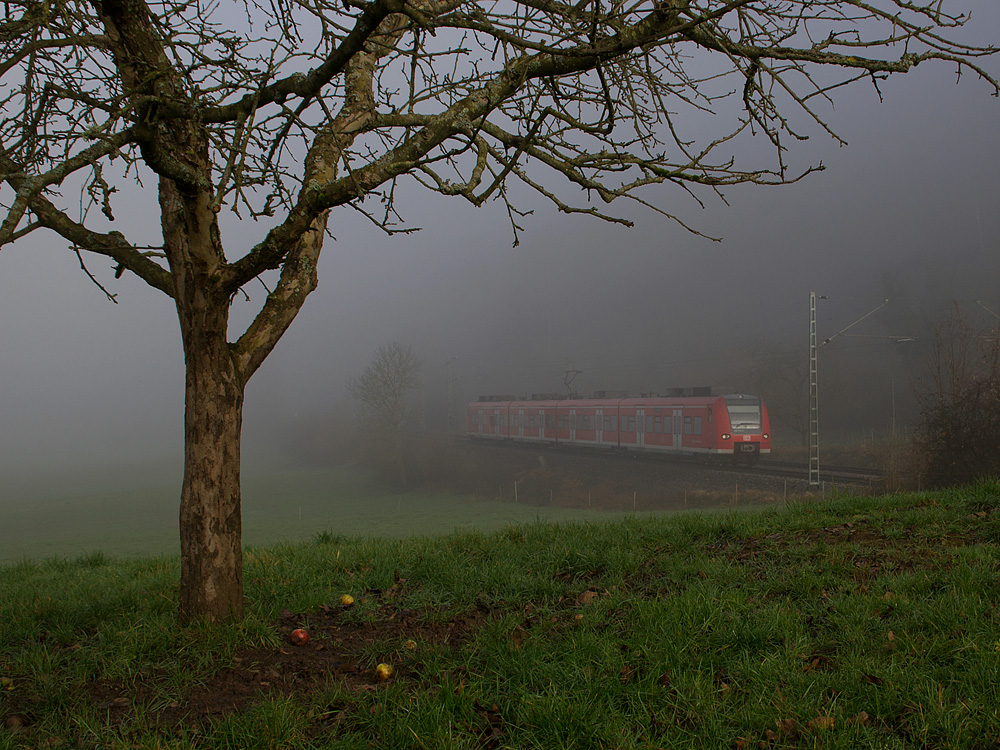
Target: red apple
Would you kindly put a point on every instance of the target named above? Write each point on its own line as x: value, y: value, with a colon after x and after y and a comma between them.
x: 300, y: 637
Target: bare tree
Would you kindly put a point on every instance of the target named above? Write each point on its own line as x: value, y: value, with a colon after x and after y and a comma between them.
x: 282, y: 111
x: 959, y: 434
x: 383, y: 391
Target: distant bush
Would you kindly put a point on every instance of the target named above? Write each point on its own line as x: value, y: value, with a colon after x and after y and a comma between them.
x: 959, y: 435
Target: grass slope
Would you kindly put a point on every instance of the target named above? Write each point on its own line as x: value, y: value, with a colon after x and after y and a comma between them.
x: 855, y: 622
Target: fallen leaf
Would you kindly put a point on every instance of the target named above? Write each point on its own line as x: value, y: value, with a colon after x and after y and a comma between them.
x: 788, y: 727
x: 821, y: 724
x: 862, y: 718
x: 517, y: 636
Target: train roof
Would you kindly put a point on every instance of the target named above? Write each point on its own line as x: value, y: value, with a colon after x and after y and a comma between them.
x: 585, y: 403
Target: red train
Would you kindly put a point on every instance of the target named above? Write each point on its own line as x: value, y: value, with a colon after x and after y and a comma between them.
x: 736, y: 425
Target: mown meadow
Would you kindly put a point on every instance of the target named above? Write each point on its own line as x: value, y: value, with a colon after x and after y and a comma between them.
x: 135, y: 513
x: 844, y: 622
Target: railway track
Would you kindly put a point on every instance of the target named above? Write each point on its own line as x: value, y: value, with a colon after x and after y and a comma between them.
x: 829, y: 475
x: 835, y: 475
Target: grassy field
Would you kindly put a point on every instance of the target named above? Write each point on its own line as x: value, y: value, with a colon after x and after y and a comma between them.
x: 125, y: 514
x: 847, y: 623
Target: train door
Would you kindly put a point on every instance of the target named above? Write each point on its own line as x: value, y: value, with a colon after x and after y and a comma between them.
x: 640, y: 429
x: 599, y: 427
x: 572, y: 425
x: 678, y: 428
x: 520, y: 423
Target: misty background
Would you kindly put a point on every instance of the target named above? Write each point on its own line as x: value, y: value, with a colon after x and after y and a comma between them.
x: 910, y: 211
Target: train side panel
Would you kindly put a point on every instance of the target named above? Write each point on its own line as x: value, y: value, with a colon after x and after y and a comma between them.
x: 735, y: 425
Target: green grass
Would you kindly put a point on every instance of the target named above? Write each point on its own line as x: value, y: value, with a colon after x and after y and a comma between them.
x: 847, y: 623
x: 128, y: 515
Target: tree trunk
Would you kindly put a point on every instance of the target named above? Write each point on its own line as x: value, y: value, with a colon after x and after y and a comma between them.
x: 210, y: 519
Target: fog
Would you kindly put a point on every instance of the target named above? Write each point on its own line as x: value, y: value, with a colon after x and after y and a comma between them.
x: 910, y: 205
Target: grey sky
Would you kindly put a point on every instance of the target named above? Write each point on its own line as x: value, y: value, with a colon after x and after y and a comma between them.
x: 86, y: 382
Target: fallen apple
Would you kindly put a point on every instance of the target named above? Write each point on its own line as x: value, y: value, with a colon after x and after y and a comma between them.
x: 383, y: 671
x: 410, y: 645
x: 347, y: 600
x: 300, y: 637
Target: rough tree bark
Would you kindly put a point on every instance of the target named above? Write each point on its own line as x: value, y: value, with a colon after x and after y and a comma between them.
x: 210, y: 515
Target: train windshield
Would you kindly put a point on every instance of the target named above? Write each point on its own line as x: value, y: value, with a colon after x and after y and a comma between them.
x: 744, y: 413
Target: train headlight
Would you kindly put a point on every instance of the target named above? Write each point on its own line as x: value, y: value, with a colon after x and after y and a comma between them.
x: 726, y: 436
x: 765, y: 436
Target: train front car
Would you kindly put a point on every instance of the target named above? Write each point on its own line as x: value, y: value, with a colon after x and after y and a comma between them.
x: 748, y: 433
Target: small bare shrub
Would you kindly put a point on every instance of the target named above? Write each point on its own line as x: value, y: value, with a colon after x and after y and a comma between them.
x: 959, y: 436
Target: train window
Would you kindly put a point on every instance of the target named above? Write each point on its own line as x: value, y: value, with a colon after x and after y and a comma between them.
x: 563, y: 422
x: 649, y: 424
x: 657, y: 424
x: 687, y: 425
x: 493, y: 421
x: 550, y: 421
x: 744, y: 413
x: 697, y: 425
x: 710, y: 415
x: 614, y: 424
x: 630, y: 424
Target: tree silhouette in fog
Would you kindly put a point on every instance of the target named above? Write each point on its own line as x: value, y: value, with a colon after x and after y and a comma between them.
x: 383, y: 391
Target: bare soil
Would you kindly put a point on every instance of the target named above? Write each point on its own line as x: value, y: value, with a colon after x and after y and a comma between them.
x: 340, y: 650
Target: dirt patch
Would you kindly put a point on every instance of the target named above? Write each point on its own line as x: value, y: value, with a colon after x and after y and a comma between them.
x: 339, y: 650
